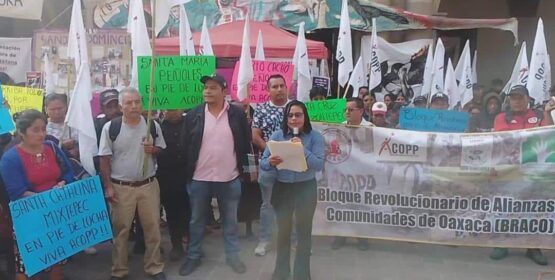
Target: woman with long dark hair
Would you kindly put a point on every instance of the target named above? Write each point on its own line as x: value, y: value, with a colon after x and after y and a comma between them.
x: 31, y: 167
x: 295, y: 192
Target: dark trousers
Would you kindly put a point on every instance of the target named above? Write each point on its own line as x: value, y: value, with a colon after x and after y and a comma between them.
x: 298, y: 198
x: 175, y: 200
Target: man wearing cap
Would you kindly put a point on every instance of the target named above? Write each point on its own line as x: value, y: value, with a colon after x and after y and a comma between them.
x: 420, y: 102
x: 379, y: 111
x: 518, y: 116
x: 110, y: 109
x: 127, y: 168
x: 217, y: 140
x: 439, y: 101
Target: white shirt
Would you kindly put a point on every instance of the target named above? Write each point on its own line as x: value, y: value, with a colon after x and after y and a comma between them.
x: 363, y: 123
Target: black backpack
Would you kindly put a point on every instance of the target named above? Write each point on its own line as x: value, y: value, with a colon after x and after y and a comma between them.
x: 115, y: 128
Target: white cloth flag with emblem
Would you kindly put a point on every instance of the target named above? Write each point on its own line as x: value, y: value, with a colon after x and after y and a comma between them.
x: 519, y: 75
x: 77, y: 38
x: 302, y: 68
x: 375, y: 63
x: 205, y: 43
x: 49, y: 83
x: 358, y: 78
x: 538, y: 85
x: 79, y: 111
x: 438, y: 68
x: 463, y: 73
x: 246, y: 73
x: 163, y: 9
x: 259, y: 54
x: 140, y: 41
x: 450, y: 88
x: 344, y: 52
x: 427, y: 77
x: 186, y: 44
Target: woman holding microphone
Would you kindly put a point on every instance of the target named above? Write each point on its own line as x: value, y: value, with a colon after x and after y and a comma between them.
x: 295, y: 192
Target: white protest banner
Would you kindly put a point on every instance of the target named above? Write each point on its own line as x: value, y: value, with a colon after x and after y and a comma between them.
x: 402, y: 64
x: 15, y: 57
x: 23, y: 9
x: 488, y: 189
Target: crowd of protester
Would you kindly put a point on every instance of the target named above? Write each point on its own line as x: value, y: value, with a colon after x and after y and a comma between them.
x: 216, y: 150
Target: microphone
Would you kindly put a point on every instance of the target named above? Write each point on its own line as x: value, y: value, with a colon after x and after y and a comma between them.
x: 295, y: 132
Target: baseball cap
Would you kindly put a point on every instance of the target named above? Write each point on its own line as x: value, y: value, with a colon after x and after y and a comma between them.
x: 107, y: 96
x: 379, y: 107
x: 518, y: 89
x: 440, y: 95
x: 215, y: 77
x: 420, y: 99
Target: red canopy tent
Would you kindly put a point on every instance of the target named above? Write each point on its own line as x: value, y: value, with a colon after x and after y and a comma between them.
x: 227, y: 40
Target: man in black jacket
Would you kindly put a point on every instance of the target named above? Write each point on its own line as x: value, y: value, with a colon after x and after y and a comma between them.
x: 216, y: 137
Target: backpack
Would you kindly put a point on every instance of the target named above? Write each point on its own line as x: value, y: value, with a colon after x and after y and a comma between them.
x: 115, y: 128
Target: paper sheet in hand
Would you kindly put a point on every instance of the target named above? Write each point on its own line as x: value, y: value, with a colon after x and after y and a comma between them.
x: 291, y: 153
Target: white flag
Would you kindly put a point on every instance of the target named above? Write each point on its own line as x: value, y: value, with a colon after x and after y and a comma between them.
x: 163, y: 9
x: 520, y: 70
x: 300, y: 60
x: 79, y: 118
x: 428, y: 69
x: 375, y: 63
x: 140, y: 41
x: 186, y: 44
x: 205, y: 43
x: 538, y: 84
x: 77, y: 40
x: 79, y: 115
x: 474, y: 72
x: 358, y: 78
x: 344, y: 52
x: 463, y: 74
x: 50, y: 84
x: 246, y: 73
x: 437, y: 68
x: 259, y: 54
x: 450, y: 88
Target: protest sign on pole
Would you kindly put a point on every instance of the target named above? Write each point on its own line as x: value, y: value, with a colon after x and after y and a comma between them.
x: 259, y: 84
x: 177, y: 80
x: 15, y: 57
x: 492, y: 189
x: 432, y: 120
x: 23, y: 98
x: 323, y: 82
x: 54, y: 225
x: 6, y: 122
x: 329, y: 111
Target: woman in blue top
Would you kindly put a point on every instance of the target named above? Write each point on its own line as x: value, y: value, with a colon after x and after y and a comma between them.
x: 31, y: 167
x: 295, y: 192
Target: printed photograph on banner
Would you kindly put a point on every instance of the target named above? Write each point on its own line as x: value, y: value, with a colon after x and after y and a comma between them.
x: 477, y: 150
x: 400, y: 146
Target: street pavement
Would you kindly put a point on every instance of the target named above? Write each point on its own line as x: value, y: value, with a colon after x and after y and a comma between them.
x: 384, y: 260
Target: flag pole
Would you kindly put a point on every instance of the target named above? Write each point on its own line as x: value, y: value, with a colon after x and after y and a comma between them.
x: 64, y: 128
x: 149, y: 119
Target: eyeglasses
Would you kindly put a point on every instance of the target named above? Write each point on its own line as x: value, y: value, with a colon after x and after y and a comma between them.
x: 350, y: 110
x: 296, y: 115
x: 378, y: 115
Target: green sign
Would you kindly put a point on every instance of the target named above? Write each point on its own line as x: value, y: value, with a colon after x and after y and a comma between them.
x: 176, y: 80
x: 330, y: 111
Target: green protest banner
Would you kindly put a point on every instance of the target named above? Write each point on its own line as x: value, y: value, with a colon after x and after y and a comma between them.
x: 330, y: 111
x: 176, y: 80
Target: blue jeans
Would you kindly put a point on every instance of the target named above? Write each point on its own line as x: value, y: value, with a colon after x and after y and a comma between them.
x: 267, y: 215
x: 200, y: 195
